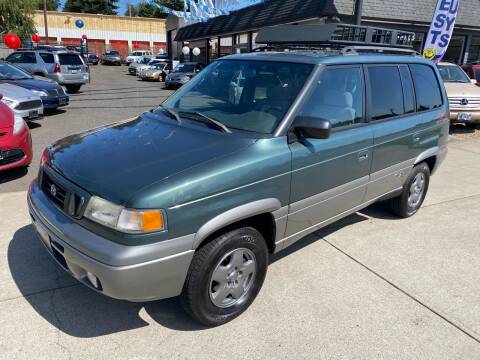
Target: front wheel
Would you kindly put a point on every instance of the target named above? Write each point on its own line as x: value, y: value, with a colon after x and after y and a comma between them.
x: 73, y: 88
x: 225, y: 276
x: 414, y: 191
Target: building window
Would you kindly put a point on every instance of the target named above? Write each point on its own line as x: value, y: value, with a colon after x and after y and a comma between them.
x: 214, y: 49
x: 418, y: 42
x: 226, y: 46
x: 454, y: 52
x: 241, y: 43
x: 202, y: 57
x: 474, y: 51
x: 254, y: 44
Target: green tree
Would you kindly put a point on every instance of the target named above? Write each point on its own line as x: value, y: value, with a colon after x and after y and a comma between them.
x: 106, y: 7
x: 52, y: 5
x: 16, y: 17
x: 149, y: 10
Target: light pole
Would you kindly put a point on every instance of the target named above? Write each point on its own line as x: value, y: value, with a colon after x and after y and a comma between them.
x: 357, y: 15
x: 45, y: 20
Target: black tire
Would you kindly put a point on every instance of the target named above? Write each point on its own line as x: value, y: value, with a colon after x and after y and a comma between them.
x: 73, y: 88
x: 401, y: 205
x: 196, y: 295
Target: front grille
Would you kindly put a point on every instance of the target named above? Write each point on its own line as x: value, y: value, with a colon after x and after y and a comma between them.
x: 28, y: 105
x: 56, y: 192
x: 464, y: 101
x: 11, y: 156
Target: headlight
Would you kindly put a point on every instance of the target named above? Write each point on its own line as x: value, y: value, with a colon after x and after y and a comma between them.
x: 39, y: 92
x: 124, y: 220
x: 9, y: 102
x: 18, y: 124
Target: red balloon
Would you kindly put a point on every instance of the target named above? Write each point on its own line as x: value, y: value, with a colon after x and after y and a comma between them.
x: 35, y: 38
x: 84, y: 37
x: 135, y: 45
x: 12, y: 41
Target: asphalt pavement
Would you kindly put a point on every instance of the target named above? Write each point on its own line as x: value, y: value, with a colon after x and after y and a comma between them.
x: 371, y: 286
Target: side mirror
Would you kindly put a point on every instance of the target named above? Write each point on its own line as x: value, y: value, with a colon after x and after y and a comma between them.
x: 312, y: 127
x: 474, y: 81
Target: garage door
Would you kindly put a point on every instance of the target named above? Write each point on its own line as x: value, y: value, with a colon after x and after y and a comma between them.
x: 96, y: 46
x: 142, y: 45
x: 159, y: 45
x: 121, y: 46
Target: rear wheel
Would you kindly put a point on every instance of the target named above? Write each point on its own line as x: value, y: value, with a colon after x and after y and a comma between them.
x: 414, y: 191
x: 73, y: 88
x: 225, y: 276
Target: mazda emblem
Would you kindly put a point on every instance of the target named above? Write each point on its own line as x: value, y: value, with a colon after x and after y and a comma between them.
x: 53, y: 190
x: 464, y: 102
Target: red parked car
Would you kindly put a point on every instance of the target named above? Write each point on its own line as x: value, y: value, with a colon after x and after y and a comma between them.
x: 15, y: 140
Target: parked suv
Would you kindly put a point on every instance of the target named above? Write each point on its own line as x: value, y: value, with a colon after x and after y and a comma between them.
x: 135, y: 56
x: 65, y: 67
x: 254, y: 153
x: 463, y: 94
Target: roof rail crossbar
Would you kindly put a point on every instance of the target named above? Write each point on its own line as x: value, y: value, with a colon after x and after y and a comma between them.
x: 335, y: 35
x: 350, y: 50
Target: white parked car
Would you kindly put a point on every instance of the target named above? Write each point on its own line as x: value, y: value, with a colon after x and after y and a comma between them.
x: 23, y: 102
x: 136, y: 55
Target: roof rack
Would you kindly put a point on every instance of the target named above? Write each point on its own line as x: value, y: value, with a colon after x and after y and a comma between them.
x: 337, y: 36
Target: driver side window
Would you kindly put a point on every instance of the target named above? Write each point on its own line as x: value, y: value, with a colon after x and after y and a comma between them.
x: 338, y: 97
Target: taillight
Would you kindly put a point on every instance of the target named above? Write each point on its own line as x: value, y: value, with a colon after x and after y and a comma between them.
x: 56, y: 69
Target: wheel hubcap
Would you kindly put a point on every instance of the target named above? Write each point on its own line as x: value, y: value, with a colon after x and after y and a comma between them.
x: 232, y: 278
x: 416, y: 190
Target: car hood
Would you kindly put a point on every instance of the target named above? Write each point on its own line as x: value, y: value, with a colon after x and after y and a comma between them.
x: 117, y: 161
x: 35, y: 84
x: 16, y: 92
x: 462, y: 90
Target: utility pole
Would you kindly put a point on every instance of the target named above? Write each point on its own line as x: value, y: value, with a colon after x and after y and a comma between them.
x: 357, y: 15
x: 45, y: 20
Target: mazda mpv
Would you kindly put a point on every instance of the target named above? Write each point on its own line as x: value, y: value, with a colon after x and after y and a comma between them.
x: 254, y: 153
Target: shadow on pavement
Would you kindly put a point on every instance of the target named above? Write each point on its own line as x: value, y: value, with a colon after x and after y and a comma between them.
x: 73, y: 308
x: 78, y: 311
x: 13, y: 174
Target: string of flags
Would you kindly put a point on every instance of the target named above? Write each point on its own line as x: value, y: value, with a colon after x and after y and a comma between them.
x: 202, y: 10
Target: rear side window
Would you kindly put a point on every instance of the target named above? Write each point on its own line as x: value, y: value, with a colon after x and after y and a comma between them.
x: 386, y: 95
x: 338, y: 97
x: 408, y: 92
x: 47, y: 58
x: 70, y: 59
x: 29, y: 58
x: 427, y: 88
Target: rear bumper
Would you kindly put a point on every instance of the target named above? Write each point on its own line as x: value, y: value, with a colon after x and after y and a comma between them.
x: 64, y: 79
x: 158, y: 273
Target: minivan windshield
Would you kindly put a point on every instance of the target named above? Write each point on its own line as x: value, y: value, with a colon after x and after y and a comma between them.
x: 9, y: 72
x: 244, y: 95
x: 453, y: 73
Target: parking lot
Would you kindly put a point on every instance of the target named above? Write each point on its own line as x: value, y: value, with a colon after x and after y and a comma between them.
x: 369, y: 287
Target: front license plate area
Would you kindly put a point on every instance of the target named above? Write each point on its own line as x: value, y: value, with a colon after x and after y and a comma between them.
x: 464, y: 117
x: 62, y: 101
x: 33, y: 114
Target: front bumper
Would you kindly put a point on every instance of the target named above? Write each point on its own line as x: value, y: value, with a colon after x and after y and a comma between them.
x: 454, y: 113
x: 21, y: 141
x: 176, y: 82
x: 132, y: 70
x: 53, y: 102
x: 134, y: 273
x: 30, y: 114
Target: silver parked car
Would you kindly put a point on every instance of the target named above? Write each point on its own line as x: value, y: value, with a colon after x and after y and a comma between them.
x: 22, y: 101
x: 65, y: 67
x: 133, y: 67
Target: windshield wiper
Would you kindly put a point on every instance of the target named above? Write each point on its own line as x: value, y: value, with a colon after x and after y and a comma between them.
x: 208, y: 119
x: 172, y: 113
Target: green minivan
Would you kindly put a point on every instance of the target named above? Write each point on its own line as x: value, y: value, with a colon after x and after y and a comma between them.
x: 254, y: 153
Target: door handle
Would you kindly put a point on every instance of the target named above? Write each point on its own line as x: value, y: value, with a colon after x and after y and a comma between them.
x: 363, y: 155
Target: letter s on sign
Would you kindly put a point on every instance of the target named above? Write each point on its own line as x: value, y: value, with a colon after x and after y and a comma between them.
x: 444, y: 40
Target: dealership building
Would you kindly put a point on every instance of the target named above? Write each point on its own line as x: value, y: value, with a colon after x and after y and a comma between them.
x: 104, y: 32
x: 236, y: 32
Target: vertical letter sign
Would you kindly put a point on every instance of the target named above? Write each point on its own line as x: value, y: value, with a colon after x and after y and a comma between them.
x: 441, y: 29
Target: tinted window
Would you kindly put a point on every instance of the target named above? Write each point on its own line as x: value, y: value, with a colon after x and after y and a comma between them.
x: 15, y: 58
x: 453, y: 73
x: 47, y: 58
x: 427, y: 88
x: 408, y: 92
x: 70, y: 59
x: 245, y: 95
x: 338, y: 97
x: 29, y: 58
x: 386, y: 95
